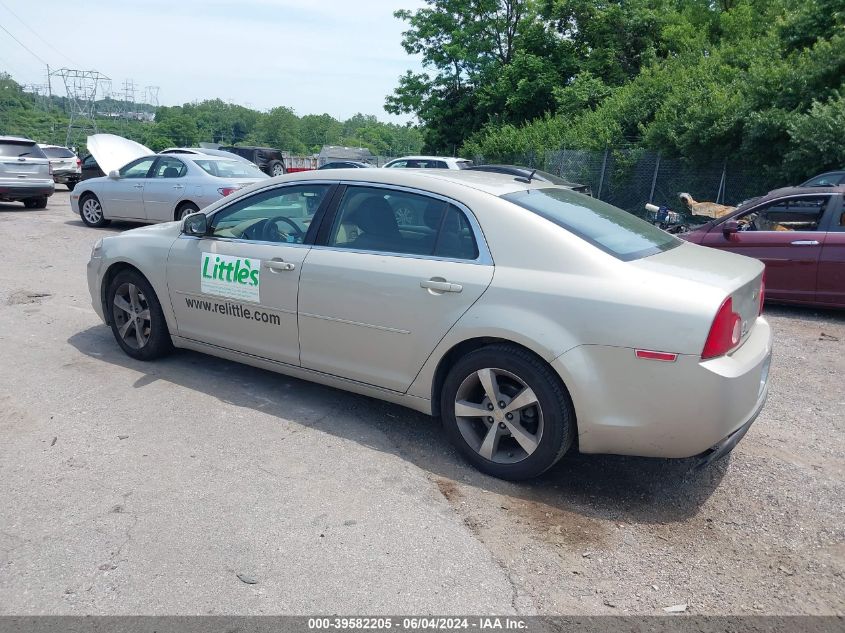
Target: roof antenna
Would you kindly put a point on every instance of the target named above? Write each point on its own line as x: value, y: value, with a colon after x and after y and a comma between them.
x: 527, y: 178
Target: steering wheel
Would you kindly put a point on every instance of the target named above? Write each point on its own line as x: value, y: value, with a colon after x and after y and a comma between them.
x: 271, y: 232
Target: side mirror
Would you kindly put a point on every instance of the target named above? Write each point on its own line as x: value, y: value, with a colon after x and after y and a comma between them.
x: 114, y: 174
x: 729, y: 228
x: 195, y: 224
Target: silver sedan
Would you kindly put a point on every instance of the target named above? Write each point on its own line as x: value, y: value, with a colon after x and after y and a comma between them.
x: 530, y: 318
x: 160, y: 188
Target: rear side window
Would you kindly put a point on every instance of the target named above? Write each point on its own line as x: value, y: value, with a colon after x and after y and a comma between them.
x: 609, y: 228
x: 58, y: 152
x: 16, y: 150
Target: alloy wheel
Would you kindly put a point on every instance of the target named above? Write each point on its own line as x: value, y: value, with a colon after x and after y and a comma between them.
x: 499, y: 415
x: 131, y: 313
x: 278, y: 170
x: 92, y: 210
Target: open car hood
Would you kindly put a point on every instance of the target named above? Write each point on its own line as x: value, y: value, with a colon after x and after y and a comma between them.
x: 113, y: 152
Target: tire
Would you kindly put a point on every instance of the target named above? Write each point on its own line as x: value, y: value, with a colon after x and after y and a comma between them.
x: 276, y: 168
x: 30, y: 203
x: 70, y: 185
x: 41, y: 203
x: 129, y: 300
x: 546, y: 425
x: 186, y: 209
x: 91, y: 211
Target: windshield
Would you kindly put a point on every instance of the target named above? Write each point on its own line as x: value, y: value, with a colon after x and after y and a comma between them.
x: 12, y: 149
x: 229, y: 169
x: 58, y: 152
x: 607, y: 227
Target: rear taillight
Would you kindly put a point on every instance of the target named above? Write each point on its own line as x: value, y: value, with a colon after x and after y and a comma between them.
x: 50, y: 168
x: 725, y: 332
x: 762, y: 291
x: 225, y: 191
x: 79, y: 162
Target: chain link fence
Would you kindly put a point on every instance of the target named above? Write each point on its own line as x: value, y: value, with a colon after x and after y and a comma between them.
x: 629, y: 177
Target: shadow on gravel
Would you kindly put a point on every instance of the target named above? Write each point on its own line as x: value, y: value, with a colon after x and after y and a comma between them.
x: 116, y: 226
x: 783, y: 311
x: 14, y: 206
x: 604, y: 487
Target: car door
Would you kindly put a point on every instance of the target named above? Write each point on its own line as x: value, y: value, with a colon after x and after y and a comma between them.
x: 237, y: 286
x: 123, y: 197
x: 786, y: 234
x: 377, y: 295
x: 164, y: 188
x: 831, y: 279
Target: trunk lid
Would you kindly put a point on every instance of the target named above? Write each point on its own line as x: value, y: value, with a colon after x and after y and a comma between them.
x: 24, y: 168
x: 739, y: 277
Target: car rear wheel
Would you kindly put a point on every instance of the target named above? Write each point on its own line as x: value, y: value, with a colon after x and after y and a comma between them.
x: 507, y: 412
x: 41, y: 203
x: 136, y: 318
x: 70, y: 185
x: 276, y: 168
x: 92, y: 211
x: 185, y: 210
x: 30, y: 203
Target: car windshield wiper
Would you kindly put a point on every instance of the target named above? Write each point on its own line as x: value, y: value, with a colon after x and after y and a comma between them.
x: 24, y: 154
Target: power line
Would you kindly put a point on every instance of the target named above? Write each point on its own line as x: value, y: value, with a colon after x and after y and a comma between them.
x: 22, y: 44
x: 35, y: 33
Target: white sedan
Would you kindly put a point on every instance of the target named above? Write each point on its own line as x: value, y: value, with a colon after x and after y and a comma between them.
x: 160, y: 188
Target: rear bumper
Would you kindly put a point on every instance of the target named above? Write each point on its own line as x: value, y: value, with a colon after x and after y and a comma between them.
x: 23, y: 192
x: 66, y: 177
x: 723, y: 448
x: 628, y: 406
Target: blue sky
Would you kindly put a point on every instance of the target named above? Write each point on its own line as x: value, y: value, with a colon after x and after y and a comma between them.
x: 315, y: 56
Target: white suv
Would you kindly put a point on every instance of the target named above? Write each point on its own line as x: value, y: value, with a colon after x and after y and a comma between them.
x: 25, y: 173
x: 67, y: 168
x: 428, y: 162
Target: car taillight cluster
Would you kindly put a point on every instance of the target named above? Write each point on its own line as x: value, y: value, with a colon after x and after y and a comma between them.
x: 225, y: 191
x: 725, y: 333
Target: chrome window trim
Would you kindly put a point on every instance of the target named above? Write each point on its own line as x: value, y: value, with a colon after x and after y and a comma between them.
x: 485, y: 258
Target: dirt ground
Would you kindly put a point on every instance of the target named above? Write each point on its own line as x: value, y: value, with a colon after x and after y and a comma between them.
x: 147, y: 488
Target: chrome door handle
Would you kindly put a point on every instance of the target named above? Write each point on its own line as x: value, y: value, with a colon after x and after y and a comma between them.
x: 178, y: 186
x: 277, y: 264
x: 440, y: 286
x: 138, y: 186
x: 805, y: 243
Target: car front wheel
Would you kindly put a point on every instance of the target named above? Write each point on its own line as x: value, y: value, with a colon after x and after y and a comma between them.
x: 136, y: 318
x: 92, y: 211
x: 507, y: 412
x: 185, y: 210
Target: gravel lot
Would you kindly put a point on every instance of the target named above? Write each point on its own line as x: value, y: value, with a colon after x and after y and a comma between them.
x: 148, y: 488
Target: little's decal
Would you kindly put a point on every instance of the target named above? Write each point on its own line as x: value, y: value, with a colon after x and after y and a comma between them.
x: 233, y: 277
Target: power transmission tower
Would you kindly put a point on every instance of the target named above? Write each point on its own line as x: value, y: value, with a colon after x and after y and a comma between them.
x: 152, y: 95
x: 81, y: 88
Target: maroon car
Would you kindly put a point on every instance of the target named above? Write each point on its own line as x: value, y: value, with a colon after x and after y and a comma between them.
x: 798, y: 234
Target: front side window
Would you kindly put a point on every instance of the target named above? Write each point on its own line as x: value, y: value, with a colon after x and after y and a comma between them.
x: 398, y: 164
x: 609, y: 228
x: 167, y: 167
x: 790, y: 214
x: 281, y: 215
x: 138, y: 168
x: 390, y: 221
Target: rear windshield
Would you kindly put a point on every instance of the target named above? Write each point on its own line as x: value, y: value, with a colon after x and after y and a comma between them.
x: 58, y: 152
x: 229, y: 169
x: 464, y: 164
x: 607, y: 227
x: 14, y: 149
